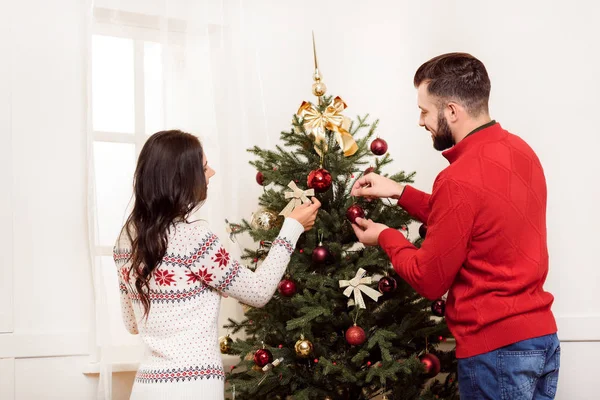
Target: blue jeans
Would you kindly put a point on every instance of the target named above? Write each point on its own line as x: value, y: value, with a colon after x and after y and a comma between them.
x: 523, y: 370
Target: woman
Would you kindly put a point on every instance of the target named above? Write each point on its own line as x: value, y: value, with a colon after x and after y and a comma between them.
x: 172, y: 272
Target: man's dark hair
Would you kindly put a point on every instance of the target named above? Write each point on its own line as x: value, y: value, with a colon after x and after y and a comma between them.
x: 459, y: 77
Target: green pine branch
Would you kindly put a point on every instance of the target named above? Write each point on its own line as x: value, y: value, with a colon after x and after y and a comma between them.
x: 399, y: 326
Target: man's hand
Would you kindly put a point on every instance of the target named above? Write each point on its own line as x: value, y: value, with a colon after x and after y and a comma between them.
x: 368, y: 231
x: 373, y: 185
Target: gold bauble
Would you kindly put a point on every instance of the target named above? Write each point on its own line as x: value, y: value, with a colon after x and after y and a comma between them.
x: 342, y: 392
x: 319, y: 89
x: 225, y: 344
x: 327, y: 398
x: 303, y: 348
x: 246, y: 307
x: 264, y: 219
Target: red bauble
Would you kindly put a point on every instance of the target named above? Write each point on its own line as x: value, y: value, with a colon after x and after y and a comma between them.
x: 287, y: 287
x: 387, y: 284
x: 423, y: 230
x: 379, y: 147
x: 355, y: 211
x: 260, y: 178
x: 369, y: 170
x: 321, y: 254
x: 262, y: 357
x: 356, y: 336
x: 431, y: 363
x: 438, y: 308
x: 319, y: 179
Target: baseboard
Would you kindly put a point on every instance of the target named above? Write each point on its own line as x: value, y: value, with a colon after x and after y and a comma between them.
x: 94, y: 368
x: 35, y: 345
x: 7, y: 378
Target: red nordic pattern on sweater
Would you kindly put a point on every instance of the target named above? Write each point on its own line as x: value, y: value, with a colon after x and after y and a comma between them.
x: 168, y: 295
x: 221, y: 258
x: 164, y: 277
x: 285, y: 243
x: 125, y: 274
x: 204, y: 276
x: 205, y: 246
x: 121, y: 256
x: 192, y: 277
x: 180, y: 374
x: 229, y: 277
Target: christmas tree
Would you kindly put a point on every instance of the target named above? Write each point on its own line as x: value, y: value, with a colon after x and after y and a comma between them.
x: 342, y: 324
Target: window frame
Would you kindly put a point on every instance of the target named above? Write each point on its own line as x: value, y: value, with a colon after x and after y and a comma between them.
x: 140, y: 29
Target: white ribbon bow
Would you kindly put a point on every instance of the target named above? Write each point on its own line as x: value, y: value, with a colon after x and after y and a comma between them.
x: 298, y: 197
x: 357, y: 285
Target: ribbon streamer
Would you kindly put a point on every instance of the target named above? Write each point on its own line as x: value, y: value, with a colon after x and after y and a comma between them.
x: 232, y: 229
x: 297, y: 196
x: 356, y: 285
x: 332, y: 119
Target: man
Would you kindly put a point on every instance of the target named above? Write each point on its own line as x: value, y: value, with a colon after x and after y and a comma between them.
x: 486, y: 237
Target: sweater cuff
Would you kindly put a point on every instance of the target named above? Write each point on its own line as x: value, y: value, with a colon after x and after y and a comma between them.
x: 291, y: 230
x: 390, y: 237
x: 409, y: 195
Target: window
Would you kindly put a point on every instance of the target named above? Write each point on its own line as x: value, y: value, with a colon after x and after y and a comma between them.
x: 132, y: 56
x: 126, y: 107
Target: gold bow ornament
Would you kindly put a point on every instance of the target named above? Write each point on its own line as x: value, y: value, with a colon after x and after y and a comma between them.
x: 332, y: 119
x: 357, y: 285
x: 297, y: 196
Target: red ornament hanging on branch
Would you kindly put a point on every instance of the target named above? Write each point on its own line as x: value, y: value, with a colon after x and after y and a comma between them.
x: 369, y: 170
x: 319, y: 180
x: 438, y: 308
x: 379, y: 147
x: 355, y: 335
x: 423, y: 230
x: 355, y: 211
x: 321, y: 255
x: 287, y: 287
x: 260, y: 178
x: 387, y: 284
x: 431, y: 364
x: 262, y: 357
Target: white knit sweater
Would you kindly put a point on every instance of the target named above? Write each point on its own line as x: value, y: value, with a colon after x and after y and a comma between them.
x: 181, y: 335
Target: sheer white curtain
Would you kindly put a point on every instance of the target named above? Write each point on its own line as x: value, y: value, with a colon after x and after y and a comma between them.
x: 154, y: 65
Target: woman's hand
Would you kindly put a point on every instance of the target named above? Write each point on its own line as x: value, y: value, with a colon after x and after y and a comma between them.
x: 306, y: 213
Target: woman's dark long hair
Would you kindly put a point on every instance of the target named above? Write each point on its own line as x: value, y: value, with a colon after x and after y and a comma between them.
x: 169, y: 183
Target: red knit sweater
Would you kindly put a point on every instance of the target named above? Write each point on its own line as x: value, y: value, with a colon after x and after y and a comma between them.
x: 485, y: 243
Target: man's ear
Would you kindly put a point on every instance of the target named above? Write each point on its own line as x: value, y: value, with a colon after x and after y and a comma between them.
x: 452, y: 111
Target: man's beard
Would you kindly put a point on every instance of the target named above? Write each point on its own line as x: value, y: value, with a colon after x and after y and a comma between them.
x: 442, y: 139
